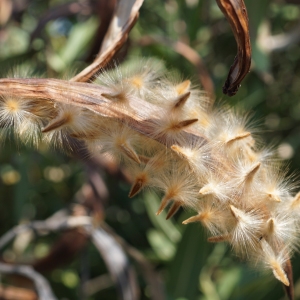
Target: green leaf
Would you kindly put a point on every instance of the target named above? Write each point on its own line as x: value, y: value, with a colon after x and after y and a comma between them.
x: 191, y: 256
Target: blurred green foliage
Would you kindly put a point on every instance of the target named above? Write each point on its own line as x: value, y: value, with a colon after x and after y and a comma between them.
x: 36, y: 183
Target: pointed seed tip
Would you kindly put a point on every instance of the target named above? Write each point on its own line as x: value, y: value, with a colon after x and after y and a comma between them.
x: 274, y: 198
x: 183, y: 86
x: 235, y: 211
x: 163, y: 204
x: 254, y: 168
x: 205, y: 190
x: 191, y: 220
x: 172, y: 211
x: 129, y: 151
x: 238, y: 137
x: 186, y: 123
x: 181, y: 100
x: 56, y: 123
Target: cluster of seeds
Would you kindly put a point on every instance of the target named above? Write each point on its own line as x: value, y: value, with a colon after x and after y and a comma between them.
x: 171, y: 139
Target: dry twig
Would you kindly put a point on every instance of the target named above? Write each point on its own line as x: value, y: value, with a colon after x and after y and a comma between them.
x: 42, y: 286
x: 125, y: 16
x: 236, y: 13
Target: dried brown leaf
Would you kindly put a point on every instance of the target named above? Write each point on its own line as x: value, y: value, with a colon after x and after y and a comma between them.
x: 124, y: 18
x: 236, y: 13
x: 104, y: 10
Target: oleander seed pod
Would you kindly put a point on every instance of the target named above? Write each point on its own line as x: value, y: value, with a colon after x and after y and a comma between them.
x: 170, y: 139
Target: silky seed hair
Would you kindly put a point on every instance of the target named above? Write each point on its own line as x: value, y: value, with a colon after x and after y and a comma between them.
x: 205, y: 159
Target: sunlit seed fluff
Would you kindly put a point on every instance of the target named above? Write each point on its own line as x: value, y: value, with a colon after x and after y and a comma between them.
x: 74, y: 119
x: 30, y: 132
x: 218, y: 184
x: 232, y: 131
x: 212, y: 215
x: 245, y: 176
x: 274, y: 186
x: 143, y: 76
x: 178, y: 187
x: 117, y: 142
x: 144, y: 176
x: 183, y: 88
x: 247, y: 230
x: 119, y: 90
x: 135, y: 78
x: 15, y: 114
x: 275, y: 262
x: 198, y: 155
x: 281, y: 229
x: 173, y: 87
x: 170, y: 128
x: 13, y: 111
x: 69, y: 121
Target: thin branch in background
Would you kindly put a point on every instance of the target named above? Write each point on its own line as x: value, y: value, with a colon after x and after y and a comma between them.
x: 190, y: 54
x: 41, y: 284
x: 111, y: 252
x: 16, y: 293
x: 147, y: 270
x: 115, y: 259
x: 279, y: 42
x: 151, y: 276
x: 124, y: 18
x: 54, y: 223
x: 117, y: 264
x: 104, y: 10
x: 67, y: 247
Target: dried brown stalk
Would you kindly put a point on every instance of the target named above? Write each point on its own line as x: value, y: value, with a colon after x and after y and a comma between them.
x: 85, y: 95
x: 104, y: 10
x: 126, y: 14
x: 236, y: 13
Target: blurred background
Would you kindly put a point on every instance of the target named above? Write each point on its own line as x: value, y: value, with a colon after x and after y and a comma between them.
x: 57, y: 39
